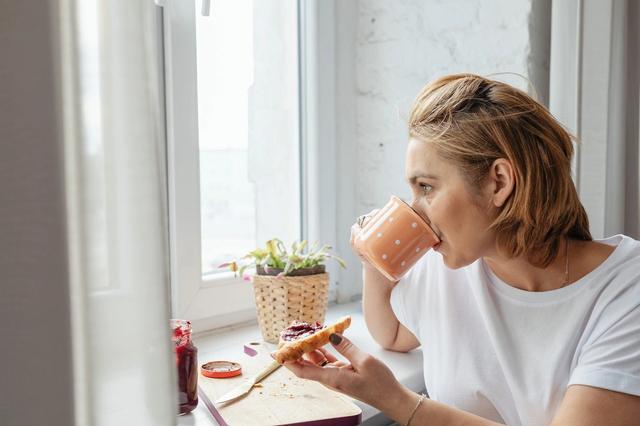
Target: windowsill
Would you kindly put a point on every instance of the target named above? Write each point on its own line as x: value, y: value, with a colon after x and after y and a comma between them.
x: 224, y: 344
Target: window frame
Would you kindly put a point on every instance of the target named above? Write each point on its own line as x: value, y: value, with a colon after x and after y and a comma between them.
x: 193, y: 295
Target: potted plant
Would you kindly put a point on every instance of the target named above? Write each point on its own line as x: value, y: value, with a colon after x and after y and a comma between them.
x: 288, y: 284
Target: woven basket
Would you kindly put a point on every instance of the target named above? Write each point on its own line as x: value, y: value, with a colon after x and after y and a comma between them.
x: 282, y: 300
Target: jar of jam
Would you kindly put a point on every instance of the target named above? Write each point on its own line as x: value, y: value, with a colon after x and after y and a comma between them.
x: 187, y: 365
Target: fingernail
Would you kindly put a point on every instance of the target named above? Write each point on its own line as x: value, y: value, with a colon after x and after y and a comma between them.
x: 335, y: 339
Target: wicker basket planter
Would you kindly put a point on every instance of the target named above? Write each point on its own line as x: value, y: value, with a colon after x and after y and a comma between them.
x: 280, y: 300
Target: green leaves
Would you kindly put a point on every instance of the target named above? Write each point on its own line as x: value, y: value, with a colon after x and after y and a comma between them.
x: 275, y: 255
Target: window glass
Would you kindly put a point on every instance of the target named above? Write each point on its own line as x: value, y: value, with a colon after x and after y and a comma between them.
x: 248, y: 127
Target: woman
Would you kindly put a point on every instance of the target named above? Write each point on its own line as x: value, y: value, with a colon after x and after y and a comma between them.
x: 522, y: 317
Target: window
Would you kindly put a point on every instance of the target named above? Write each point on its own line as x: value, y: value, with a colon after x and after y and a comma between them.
x: 225, y: 70
x: 234, y: 146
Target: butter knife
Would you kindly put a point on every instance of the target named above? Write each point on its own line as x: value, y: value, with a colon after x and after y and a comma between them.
x: 244, y: 388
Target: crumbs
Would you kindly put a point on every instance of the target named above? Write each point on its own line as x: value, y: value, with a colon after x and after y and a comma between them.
x: 287, y: 389
x: 283, y: 388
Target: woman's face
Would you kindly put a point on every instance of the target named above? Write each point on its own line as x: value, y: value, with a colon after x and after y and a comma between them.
x: 457, y: 215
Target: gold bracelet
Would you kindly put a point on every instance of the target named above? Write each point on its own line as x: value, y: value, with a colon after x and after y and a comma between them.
x: 415, y: 409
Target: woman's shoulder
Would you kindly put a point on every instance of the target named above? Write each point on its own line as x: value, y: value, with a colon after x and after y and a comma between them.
x: 622, y: 241
x: 616, y: 252
x: 617, y: 274
x: 612, y: 289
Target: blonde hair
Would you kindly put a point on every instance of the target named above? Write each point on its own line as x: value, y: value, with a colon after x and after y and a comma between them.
x: 472, y: 121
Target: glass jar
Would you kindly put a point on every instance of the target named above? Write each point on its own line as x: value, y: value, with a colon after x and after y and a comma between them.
x: 187, y: 365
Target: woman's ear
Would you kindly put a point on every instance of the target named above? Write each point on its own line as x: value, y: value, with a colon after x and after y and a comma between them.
x: 502, y: 180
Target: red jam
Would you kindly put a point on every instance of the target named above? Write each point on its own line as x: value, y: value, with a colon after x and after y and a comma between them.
x: 187, y: 365
x: 299, y: 329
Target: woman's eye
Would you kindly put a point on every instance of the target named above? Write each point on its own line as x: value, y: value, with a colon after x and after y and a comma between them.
x: 426, y: 188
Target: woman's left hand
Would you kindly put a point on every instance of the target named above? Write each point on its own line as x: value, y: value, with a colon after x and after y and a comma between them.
x: 363, y: 377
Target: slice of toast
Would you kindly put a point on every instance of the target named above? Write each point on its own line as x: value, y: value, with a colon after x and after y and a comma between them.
x: 293, y: 350
x: 298, y: 330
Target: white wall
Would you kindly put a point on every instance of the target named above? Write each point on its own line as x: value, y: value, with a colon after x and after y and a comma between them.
x: 385, y: 52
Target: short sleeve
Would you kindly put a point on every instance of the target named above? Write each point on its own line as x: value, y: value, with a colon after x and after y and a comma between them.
x: 407, y: 297
x: 610, y: 359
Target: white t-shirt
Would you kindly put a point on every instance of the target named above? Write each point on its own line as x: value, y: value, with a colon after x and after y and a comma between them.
x: 509, y: 355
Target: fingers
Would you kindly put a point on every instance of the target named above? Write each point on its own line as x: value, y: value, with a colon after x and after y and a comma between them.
x: 328, y: 355
x: 333, y: 376
x: 355, y: 232
x: 350, y: 351
x: 356, y: 229
x: 368, y: 216
x: 322, y: 357
x: 307, y: 370
x: 317, y: 358
x: 362, y: 220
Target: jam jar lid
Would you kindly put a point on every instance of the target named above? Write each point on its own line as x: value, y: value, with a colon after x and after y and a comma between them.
x: 221, y: 369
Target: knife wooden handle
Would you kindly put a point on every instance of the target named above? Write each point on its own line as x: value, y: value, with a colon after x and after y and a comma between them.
x: 266, y: 371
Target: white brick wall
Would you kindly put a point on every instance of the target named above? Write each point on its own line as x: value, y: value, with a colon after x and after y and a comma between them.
x: 402, y: 45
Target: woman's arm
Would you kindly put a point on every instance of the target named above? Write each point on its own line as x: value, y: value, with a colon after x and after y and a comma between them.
x: 369, y: 380
x: 378, y: 315
x: 407, y: 408
x: 586, y: 405
x: 376, y: 305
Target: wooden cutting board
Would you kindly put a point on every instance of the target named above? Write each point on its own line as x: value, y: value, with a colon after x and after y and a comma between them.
x: 283, y: 398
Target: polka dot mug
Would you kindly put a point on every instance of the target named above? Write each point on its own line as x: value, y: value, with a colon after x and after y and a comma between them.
x: 394, y: 238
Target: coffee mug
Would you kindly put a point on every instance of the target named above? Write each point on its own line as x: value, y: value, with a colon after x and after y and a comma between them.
x: 395, y: 238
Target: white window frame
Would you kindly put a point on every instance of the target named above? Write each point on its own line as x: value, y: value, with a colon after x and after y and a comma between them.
x: 221, y: 299
x: 588, y: 95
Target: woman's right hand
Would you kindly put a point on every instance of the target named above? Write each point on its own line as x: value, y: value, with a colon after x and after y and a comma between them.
x: 356, y: 228
x: 370, y: 272
x: 376, y: 293
x: 361, y: 376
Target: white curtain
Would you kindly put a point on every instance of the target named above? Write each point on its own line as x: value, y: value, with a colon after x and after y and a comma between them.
x: 594, y: 91
x: 114, y: 157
